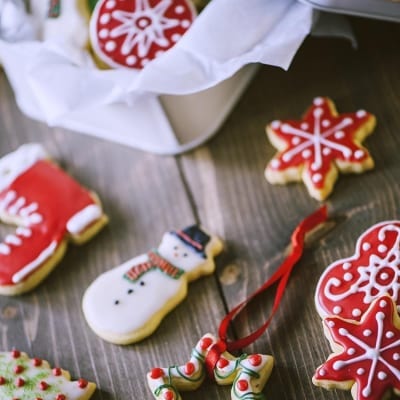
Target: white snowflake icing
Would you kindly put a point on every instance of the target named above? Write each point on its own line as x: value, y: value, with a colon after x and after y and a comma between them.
x: 143, y: 27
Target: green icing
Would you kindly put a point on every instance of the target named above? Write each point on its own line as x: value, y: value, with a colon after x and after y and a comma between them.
x: 92, y: 4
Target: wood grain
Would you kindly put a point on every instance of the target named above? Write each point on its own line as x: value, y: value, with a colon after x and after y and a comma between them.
x: 221, y: 185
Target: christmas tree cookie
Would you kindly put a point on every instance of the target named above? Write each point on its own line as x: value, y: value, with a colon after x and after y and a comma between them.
x: 25, y: 378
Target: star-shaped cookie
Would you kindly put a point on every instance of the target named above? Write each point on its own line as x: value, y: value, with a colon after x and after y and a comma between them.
x: 366, y: 356
x: 315, y: 148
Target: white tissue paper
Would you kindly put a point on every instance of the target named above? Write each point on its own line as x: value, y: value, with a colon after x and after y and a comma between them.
x: 178, y: 100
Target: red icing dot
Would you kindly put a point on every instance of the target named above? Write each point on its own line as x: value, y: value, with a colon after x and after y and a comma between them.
x: 15, y: 353
x: 43, y: 385
x: 206, y: 343
x: 18, y: 369
x: 38, y: 398
x: 56, y: 371
x: 60, y: 397
x: 2, y: 380
x: 37, y: 362
x: 156, y: 373
x: 82, y: 383
x: 189, y: 368
x: 242, y: 385
x: 222, y: 362
x: 168, y: 395
x: 19, y: 382
x: 255, y: 360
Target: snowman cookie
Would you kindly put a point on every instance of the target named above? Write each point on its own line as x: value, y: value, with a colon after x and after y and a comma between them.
x: 49, y: 208
x: 131, y: 33
x: 24, y: 378
x: 348, y: 286
x: 127, y: 303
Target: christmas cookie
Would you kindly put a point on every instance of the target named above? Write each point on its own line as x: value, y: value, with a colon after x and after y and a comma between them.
x: 49, y: 208
x: 130, y: 33
x: 24, y: 378
x: 348, y: 286
x: 247, y: 374
x: 127, y: 303
x: 62, y: 21
x: 366, y: 356
x: 315, y: 148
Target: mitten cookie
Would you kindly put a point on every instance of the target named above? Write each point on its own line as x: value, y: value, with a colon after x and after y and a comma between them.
x: 348, y: 286
x: 315, y: 148
x: 49, y: 208
x: 127, y: 304
x: 247, y: 374
x: 24, y: 378
x: 130, y: 33
x: 366, y: 356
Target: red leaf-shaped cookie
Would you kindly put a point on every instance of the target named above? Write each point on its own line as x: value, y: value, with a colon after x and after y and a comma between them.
x: 348, y: 286
x: 130, y: 33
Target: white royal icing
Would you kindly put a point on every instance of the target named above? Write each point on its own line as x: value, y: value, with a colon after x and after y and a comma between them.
x: 84, y: 218
x: 149, y: 294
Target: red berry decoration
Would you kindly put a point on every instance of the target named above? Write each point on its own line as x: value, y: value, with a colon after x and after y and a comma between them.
x: 130, y: 33
x: 242, y: 385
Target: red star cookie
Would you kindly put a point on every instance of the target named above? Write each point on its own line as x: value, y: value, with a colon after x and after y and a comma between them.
x: 368, y: 361
x: 316, y: 147
x: 348, y: 286
x: 130, y: 33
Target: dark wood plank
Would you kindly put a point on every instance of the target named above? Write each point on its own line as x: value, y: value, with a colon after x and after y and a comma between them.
x: 256, y: 218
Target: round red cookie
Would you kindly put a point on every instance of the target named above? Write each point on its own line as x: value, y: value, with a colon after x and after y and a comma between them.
x: 350, y: 285
x: 130, y: 33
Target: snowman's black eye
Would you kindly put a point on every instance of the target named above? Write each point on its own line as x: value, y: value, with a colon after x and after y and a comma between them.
x: 130, y: 291
x: 116, y: 302
x: 175, y: 247
x: 142, y: 283
x: 185, y: 254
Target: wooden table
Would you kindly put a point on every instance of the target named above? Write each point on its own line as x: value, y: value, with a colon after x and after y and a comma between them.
x: 220, y: 185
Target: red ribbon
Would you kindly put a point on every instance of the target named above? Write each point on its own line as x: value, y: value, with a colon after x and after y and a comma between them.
x: 281, y: 275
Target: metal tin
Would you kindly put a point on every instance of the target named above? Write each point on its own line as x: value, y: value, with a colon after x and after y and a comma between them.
x: 381, y: 9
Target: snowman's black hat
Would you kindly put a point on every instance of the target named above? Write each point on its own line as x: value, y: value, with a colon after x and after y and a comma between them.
x: 194, y: 237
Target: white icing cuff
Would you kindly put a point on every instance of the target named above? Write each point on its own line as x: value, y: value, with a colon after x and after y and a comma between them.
x: 83, y: 218
x: 43, y: 256
x: 14, y: 164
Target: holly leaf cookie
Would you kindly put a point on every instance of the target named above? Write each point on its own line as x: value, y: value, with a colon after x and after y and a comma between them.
x: 130, y: 33
x: 127, y: 303
x: 24, y: 378
x: 49, y: 208
x: 247, y: 374
x: 348, y: 286
x: 315, y: 148
x: 366, y: 356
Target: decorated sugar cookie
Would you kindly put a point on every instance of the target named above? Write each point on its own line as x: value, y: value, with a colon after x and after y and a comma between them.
x: 348, y: 286
x: 25, y: 378
x: 247, y: 374
x: 49, y: 208
x: 127, y: 303
x: 366, y: 356
x: 130, y: 33
x: 315, y: 148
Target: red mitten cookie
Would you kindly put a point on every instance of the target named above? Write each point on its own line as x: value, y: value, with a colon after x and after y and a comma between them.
x: 130, y: 33
x: 315, y: 148
x: 348, y: 286
x: 366, y: 356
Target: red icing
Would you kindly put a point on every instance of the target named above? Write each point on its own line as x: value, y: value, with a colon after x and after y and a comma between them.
x: 58, y: 198
x: 129, y: 33
x: 205, y: 343
x: 242, y: 385
x: 169, y: 395
x: 43, y: 385
x: 156, y: 373
x: 19, y: 382
x: 255, y: 360
x: 371, y: 352
x: 222, y: 362
x: 2, y: 380
x: 15, y: 353
x: 319, y: 157
x: 57, y: 371
x: 61, y: 397
x: 189, y: 368
x: 82, y: 383
x: 18, y: 369
x: 349, y: 285
x: 37, y: 362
